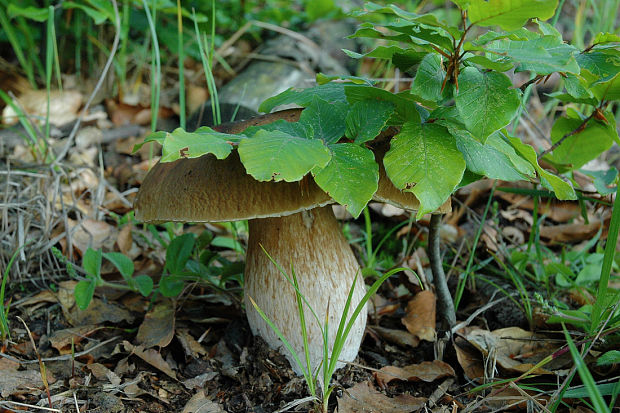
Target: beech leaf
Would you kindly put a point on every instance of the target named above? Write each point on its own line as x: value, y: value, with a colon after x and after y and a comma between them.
x: 351, y: 176
x: 509, y: 14
x: 279, y: 156
x: 486, y: 101
x: 424, y: 159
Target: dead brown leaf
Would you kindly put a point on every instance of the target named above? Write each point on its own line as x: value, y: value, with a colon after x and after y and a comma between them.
x: 191, y: 347
x: 420, y: 316
x: 558, y: 211
x: 151, y: 356
x: 124, y: 239
x: 569, y: 232
x: 513, y: 348
x: 14, y: 383
x: 469, y: 359
x: 399, y: 337
x: 92, y: 233
x: 364, y: 398
x: 63, y: 107
x: 61, y: 339
x: 427, y: 371
x: 157, y: 329
x: 199, y: 403
x: 98, y: 311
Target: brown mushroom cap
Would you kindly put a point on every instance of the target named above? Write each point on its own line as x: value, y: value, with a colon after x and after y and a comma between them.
x: 206, y: 189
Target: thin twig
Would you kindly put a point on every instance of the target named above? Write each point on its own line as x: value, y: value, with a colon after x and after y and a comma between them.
x: 575, y: 131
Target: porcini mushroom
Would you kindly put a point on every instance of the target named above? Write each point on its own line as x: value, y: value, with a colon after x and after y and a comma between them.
x: 292, y: 221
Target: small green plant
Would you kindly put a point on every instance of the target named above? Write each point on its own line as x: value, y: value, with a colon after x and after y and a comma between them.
x: 5, y: 332
x: 318, y: 381
x: 92, y: 261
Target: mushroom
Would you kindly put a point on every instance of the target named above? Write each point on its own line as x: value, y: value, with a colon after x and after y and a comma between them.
x: 292, y: 221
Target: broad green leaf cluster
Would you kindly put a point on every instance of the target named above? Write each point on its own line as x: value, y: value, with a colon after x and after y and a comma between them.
x: 451, y: 126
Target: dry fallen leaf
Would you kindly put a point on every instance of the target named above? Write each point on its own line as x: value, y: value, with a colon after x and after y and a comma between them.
x: 199, y: 403
x: 427, y: 371
x: 569, y: 232
x: 420, y: 316
x: 364, y: 398
x: 151, y: 356
x: 98, y: 312
x: 61, y: 339
x: 400, y: 337
x: 191, y: 347
x: 469, y: 359
x: 63, y: 107
x: 157, y: 329
x: 14, y: 383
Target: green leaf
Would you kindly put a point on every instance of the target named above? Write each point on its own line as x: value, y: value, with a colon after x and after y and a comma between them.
x: 496, y: 141
x: 607, y: 88
x: 609, y: 358
x: 350, y: 177
x: 425, y: 156
x: 326, y: 119
x: 509, y: 14
x: 300, y: 130
x: 99, y: 16
x: 603, y: 180
x: 178, y: 252
x: 322, y: 79
x: 404, y: 59
x: 577, y: 86
x: 38, y: 14
x: 602, y: 38
x: 421, y: 32
x: 542, y: 56
x: 367, y: 118
x: 580, y: 148
x: 371, y: 9
x: 484, y: 159
x: 497, y: 65
x: 159, y: 137
x: 171, y: 286
x: 429, y: 78
x: 83, y: 293
x: 91, y: 262
x: 405, y: 106
x: 369, y: 31
x: 563, y: 190
x: 181, y: 144
x: 599, y: 63
x: 279, y: 156
x: 319, y: 8
x: 122, y: 262
x: 486, y: 101
x: 144, y: 284
x: 331, y: 92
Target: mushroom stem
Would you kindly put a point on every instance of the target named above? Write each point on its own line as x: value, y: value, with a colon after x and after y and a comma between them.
x: 312, y: 243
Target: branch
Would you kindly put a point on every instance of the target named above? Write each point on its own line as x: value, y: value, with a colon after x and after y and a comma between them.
x: 577, y: 130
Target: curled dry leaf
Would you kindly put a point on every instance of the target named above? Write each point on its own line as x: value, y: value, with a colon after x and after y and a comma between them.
x: 157, y: 329
x: 399, y: 337
x: 469, y: 359
x: 363, y: 398
x: 420, y: 317
x: 61, y: 340
x: 98, y: 312
x: 151, y: 356
x: 15, y: 383
x: 427, y: 371
x: 569, y: 232
x: 191, y: 347
x: 558, y: 211
x: 64, y: 105
x: 513, y: 348
x: 92, y: 233
x: 199, y: 403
